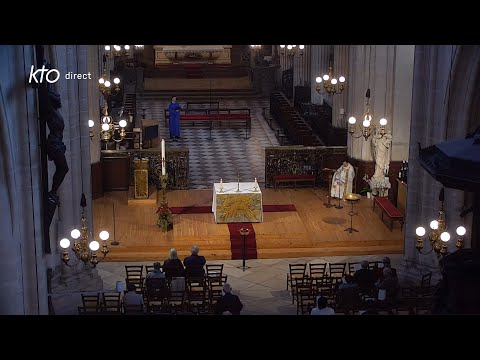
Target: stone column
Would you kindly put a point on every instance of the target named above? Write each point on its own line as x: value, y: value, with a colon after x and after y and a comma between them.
x: 340, y: 68
x: 444, y: 95
x: 301, y: 67
x: 387, y: 70
x: 22, y: 264
x: 94, y: 102
x: 319, y: 66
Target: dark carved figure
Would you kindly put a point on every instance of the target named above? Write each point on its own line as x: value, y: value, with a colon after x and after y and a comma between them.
x: 55, y: 147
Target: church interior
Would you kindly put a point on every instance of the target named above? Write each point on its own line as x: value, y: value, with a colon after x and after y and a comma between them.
x: 288, y: 175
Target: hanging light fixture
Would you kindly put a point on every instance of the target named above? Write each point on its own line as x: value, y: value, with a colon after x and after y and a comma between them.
x: 84, y: 249
x: 110, y: 129
x: 368, y: 127
x: 438, y: 235
x: 331, y: 85
x: 292, y: 50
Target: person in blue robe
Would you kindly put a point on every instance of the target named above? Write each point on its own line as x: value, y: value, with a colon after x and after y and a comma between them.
x: 174, y: 119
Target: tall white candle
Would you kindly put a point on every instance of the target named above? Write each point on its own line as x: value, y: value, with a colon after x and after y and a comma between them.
x: 163, y: 157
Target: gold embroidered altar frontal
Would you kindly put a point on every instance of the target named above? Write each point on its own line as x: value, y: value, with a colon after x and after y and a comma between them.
x: 232, y: 206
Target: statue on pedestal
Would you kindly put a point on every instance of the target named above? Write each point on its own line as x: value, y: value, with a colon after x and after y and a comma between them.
x: 381, y: 147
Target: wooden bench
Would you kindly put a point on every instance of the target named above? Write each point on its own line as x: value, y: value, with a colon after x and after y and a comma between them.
x: 388, y: 208
x: 278, y: 179
x: 210, y: 117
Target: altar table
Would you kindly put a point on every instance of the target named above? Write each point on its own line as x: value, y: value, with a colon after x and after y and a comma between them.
x: 232, y: 206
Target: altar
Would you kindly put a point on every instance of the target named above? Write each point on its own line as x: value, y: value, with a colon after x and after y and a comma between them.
x: 233, y: 206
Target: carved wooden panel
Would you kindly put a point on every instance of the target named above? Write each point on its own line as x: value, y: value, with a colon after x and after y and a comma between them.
x: 301, y: 160
x: 176, y: 161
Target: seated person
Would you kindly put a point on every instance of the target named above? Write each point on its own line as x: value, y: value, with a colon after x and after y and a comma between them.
x: 365, y: 278
x: 348, y: 297
x: 389, y: 283
x: 173, y: 267
x: 386, y: 263
x: 228, y: 302
x: 194, y: 263
x: 156, y: 278
x: 322, y: 308
x: 132, y: 300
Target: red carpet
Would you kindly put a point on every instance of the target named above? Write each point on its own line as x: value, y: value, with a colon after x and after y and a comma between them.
x: 236, y: 241
x: 208, y: 209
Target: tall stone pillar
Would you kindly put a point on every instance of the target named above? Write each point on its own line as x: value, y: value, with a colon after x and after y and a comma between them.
x: 340, y: 68
x: 444, y: 97
x: 319, y: 55
x: 23, y: 285
x: 301, y: 66
x: 387, y: 70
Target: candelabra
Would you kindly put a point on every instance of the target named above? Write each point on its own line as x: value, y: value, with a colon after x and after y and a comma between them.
x: 331, y: 85
x: 367, y: 127
x: 82, y: 248
x: 438, y: 236
x: 91, y: 124
x: 109, y: 129
x: 292, y: 50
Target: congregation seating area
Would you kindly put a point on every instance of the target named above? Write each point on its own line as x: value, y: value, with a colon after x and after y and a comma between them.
x: 215, y: 117
x: 308, y: 281
x: 195, y: 293
x: 298, y: 131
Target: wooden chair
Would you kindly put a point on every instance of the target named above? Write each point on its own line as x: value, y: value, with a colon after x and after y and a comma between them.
x: 111, y: 303
x: 214, y: 271
x: 337, y: 271
x: 133, y: 309
x: 135, y: 276
x: 148, y: 269
x: 296, y: 272
x: 91, y: 302
x: 353, y: 267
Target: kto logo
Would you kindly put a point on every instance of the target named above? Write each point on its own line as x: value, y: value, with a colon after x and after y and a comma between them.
x: 51, y: 78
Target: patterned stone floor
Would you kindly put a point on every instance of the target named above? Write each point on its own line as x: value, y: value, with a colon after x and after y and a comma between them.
x: 228, y: 154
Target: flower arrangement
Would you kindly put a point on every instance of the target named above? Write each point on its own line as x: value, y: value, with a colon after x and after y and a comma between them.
x: 164, y: 217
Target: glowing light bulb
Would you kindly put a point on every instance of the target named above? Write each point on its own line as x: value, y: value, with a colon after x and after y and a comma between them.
x: 366, y: 123
x: 301, y: 47
x: 127, y: 47
x: 91, y: 123
x: 341, y: 79
x: 116, y: 80
x: 122, y: 123
x: 434, y: 224
x: 75, y: 233
x: 326, y: 77
x: 105, y: 127
x: 101, y: 80
x: 383, y: 121
x: 64, y: 243
x: 318, y: 79
x: 107, y: 47
x: 282, y: 46
x: 107, y: 83
x: 352, y: 120
x: 461, y: 231
x: 445, y: 236
x: 334, y: 81
x: 94, y: 245
x: 420, y: 231
x: 104, y: 235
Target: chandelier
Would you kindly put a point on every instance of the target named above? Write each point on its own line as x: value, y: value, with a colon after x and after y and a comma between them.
x: 83, y: 249
x: 110, y: 129
x: 438, y: 235
x: 331, y: 85
x: 106, y: 87
x: 368, y: 128
x: 292, y: 50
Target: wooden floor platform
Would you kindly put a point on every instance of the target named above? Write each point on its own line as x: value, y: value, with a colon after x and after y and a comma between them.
x: 312, y: 230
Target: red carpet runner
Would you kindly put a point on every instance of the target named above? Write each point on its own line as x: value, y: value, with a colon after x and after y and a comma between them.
x: 236, y: 241
x: 208, y: 209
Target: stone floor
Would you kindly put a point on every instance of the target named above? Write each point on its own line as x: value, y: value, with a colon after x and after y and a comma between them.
x: 228, y: 154
x: 261, y: 287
